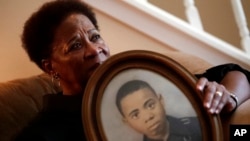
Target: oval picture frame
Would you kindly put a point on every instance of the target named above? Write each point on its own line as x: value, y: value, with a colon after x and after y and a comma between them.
x: 176, y: 85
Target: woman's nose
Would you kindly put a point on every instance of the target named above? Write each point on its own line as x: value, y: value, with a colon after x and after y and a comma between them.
x: 92, y: 50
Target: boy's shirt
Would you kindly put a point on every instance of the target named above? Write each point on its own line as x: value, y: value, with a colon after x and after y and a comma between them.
x: 182, y: 129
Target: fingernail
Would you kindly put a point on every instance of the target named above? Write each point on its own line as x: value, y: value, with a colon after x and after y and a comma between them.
x: 207, y: 105
x: 217, y: 111
x: 211, y: 111
x: 199, y: 88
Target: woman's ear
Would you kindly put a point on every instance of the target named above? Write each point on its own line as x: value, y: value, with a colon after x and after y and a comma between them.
x: 47, y: 66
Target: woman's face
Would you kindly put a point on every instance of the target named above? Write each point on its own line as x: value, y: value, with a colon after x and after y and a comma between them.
x: 78, y: 49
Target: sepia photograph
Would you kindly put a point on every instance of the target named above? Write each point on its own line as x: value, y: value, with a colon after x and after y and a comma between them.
x: 145, y: 96
x: 143, y: 105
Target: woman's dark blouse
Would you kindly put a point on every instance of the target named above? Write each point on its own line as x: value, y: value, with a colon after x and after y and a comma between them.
x: 217, y: 73
x: 60, y: 120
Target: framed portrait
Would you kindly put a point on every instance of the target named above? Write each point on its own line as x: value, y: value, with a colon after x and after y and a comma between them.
x: 142, y: 96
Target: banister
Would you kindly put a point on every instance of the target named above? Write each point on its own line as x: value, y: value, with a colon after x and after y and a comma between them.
x: 192, y: 14
x: 171, y: 31
x: 242, y: 24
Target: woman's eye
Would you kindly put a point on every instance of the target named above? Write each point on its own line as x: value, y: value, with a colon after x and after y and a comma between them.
x: 76, y: 45
x: 95, y: 37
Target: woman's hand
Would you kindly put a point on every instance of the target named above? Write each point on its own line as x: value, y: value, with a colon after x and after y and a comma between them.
x: 216, y: 98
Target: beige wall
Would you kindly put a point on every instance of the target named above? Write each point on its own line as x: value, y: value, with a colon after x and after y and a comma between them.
x: 216, y: 16
x: 13, y: 13
x: 14, y: 61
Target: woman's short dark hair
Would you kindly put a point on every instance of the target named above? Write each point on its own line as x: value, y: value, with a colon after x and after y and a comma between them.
x: 39, y: 29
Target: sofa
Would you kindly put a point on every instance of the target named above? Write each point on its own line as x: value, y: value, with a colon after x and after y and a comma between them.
x: 21, y: 98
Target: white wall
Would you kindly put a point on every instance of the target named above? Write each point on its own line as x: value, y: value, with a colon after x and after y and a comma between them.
x: 13, y: 59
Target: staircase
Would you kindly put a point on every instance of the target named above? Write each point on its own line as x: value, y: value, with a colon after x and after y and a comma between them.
x: 188, y: 35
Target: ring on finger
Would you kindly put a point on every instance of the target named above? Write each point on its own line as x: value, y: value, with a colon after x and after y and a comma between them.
x: 218, y: 93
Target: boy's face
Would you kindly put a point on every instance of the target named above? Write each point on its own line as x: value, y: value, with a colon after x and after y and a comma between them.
x: 144, y: 112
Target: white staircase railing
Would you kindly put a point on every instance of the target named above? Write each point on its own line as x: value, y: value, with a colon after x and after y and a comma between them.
x: 172, y: 31
x: 194, y: 20
x: 242, y: 24
x: 193, y: 14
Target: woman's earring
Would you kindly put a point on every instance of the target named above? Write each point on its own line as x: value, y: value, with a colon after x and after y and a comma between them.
x: 56, y: 77
x: 52, y: 79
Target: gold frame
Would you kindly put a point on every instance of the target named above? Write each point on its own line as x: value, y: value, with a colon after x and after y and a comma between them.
x: 147, y: 60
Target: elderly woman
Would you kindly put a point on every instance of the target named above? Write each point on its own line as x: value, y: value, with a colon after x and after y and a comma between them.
x: 63, y: 39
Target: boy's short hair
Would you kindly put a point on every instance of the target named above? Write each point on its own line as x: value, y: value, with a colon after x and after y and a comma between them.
x: 128, y: 88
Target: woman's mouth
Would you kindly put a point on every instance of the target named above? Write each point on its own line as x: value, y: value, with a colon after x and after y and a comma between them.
x: 94, y: 67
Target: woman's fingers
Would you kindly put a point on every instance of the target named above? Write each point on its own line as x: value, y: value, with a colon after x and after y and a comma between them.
x: 222, y: 103
x: 215, y: 96
x: 210, y: 99
x: 201, y: 83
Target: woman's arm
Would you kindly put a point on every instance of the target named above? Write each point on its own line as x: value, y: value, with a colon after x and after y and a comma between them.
x: 217, y: 95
